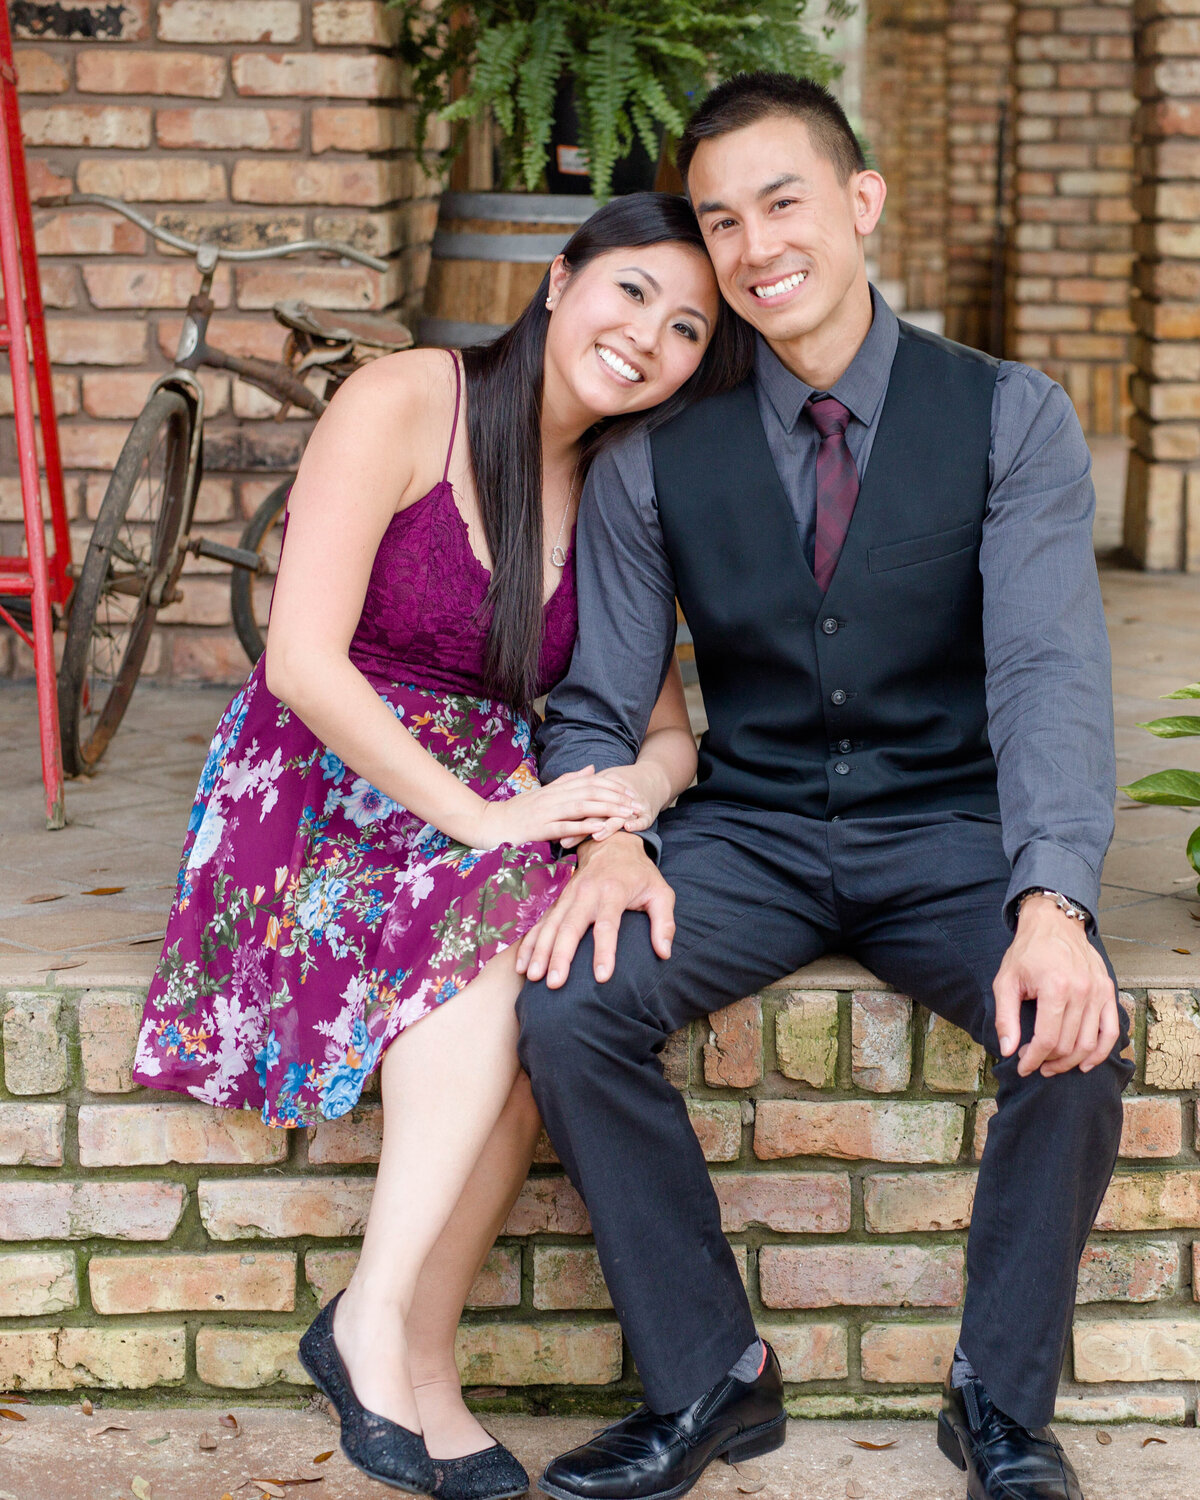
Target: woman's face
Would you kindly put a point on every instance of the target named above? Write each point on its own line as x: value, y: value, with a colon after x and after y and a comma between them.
x: 630, y: 327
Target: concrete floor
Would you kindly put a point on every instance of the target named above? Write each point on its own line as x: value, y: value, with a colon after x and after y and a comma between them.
x: 51, y: 1455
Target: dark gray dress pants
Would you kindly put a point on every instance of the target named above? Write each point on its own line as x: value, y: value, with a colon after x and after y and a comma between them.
x: 758, y: 894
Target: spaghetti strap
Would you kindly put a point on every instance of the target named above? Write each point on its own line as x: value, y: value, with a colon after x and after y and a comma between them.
x: 457, y: 404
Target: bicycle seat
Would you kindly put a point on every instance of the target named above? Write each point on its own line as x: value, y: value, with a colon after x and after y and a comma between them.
x: 375, y: 330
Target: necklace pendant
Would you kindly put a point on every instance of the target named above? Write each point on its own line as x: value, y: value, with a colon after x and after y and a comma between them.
x: 557, y: 556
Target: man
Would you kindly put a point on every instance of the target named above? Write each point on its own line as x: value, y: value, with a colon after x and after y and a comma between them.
x: 882, y: 546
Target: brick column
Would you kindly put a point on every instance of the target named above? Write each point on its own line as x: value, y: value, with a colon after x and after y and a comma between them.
x: 245, y: 121
x: 979, y: 46
x: 883, y: 109
x: 1162, y: 508
x: 1072, y: 251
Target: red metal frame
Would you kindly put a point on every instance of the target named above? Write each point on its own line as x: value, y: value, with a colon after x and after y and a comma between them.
x: 44, y: 579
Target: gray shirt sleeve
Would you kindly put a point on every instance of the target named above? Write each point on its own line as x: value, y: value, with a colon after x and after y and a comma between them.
x: 1049, y: 677
x: 598, y: 713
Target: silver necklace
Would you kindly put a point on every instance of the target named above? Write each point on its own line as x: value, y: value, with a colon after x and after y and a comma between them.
x: 557, y: 555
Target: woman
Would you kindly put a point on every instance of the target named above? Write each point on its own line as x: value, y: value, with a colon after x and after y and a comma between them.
x: 369, y: 839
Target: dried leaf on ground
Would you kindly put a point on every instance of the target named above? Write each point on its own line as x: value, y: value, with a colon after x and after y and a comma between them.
x: 158, y: 1438
x: 16, y: 1400
x: 51, y: 896
x: 13, y: 1416
x: 1104, y: 1438
x: 105, y: 890
x: 872, y: 1447
x: 1145, y: 1441
x: 855, y: 1491
x: 75, y: 963
x: 752, y: 1488
x: 207, y: 1441
x: 269, y: 1487
x: 7, y: 1437
x: 323, y: 1457
x: 141, y: 1488
x: 229, y: 1421
x: 95, y: 1432
x: 86, y: 1407
x: 1186, y: 951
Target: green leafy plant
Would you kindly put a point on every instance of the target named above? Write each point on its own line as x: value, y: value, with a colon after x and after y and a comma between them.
x: 1174, y: 788
x: 637, y: 66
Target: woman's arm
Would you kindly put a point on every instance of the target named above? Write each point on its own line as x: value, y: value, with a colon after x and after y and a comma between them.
x: 372, y: 453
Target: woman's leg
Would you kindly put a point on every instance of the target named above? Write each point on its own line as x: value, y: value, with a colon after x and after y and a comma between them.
x: 445, y: 1280
x: 445, y: 1082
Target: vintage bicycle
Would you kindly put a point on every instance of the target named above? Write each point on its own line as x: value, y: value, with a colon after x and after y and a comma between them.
x: 142, y: 536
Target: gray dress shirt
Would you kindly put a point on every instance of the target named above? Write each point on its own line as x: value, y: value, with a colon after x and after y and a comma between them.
x: 1049, y: 684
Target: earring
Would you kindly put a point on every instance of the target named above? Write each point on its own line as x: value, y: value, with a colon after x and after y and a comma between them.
x: 549, y: 302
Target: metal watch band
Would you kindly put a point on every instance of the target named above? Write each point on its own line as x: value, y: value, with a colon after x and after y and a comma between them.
x: 1064, y: 903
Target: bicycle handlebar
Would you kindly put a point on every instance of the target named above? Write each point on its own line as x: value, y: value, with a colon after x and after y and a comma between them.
x: 218, y: 252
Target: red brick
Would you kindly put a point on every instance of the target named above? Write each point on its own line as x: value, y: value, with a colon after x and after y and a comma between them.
x: 86, y: 1210
x: 860, y: 1275
x: 917, y: 1202
x: 354, y: 1137
x: 154, y: 180
x: 316, y: 75
x: 245, y: 1359
x: 567, y: 1277
x: 125, y: 126
x: 60, y: 288
x: 150, y: 284
x: 347, y: 288
x: 139, y: 1135
x: 806, y: 1037
x: 203, y: 657
x: 91, y: 445
x: 1152, y: 1127
x: 280, y: 1208
x: 37, y: 1284
x: 907, y: 1353
x: 123, y: 393
x: 216, y: 21
x: 539, y: 1354
x: 1137, y: 1349
x: 808, y: 1351
x: 548, y: 1205
x: 790, y: 1202
x: 39, y: 72
x: 497, y: 1285
x: 101, y: 70
x: 259, y: 1282
x: 1128, y: 1271
x: 44, y: 181
x: 260, y: 337
x: 953, y: 1063
x: 342, y: 182
x: 229, y: 129
x: 858, y: 1129
x: 733, y: 1053
x: 72, y: 231
x: 62, y: 1359
x: 1151, y: 1200
x: 128, y: 22
x: 1172, y: 1040
x: 881, y: 1041
x: 31, y: 1135
x: 96, y: 341
x: 354, y: 23
x: 718, y: 1127
x: 361, y: 128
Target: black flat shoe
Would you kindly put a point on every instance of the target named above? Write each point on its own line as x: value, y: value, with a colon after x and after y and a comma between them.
x: 1002, y: 1459
x: 381, y: 1448
x: 493, y: 1474
x: 648, y: 1456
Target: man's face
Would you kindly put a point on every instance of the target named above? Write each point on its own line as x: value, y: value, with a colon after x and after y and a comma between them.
x: 784, y: 233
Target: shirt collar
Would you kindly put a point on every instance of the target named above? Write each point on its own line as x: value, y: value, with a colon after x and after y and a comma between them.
x: 861, y: 388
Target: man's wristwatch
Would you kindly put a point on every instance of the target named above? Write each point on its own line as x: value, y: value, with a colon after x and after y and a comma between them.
x: 1064, y: 903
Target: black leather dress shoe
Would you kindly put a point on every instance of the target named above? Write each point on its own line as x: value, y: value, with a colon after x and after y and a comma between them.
x: 379, y: 1447
x: 1002, y: 1459
x: 652, y: 1457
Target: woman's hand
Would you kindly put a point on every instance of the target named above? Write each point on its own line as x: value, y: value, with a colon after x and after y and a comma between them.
x: 572, y: 808
x: 647, y: 786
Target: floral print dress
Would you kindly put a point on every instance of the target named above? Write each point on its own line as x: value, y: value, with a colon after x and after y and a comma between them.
x: 315, y: 919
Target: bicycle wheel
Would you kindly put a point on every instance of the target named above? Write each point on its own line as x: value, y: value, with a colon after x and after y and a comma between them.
x: 115, y: 601
x: 249, y: 598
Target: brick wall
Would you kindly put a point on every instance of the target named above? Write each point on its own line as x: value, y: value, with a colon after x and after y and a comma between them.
x: 150, y: 1242
x: 249, y: 121
x: 1072, y: 253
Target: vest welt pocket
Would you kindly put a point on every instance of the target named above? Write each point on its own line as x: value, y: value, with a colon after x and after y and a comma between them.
x: 919, y: 549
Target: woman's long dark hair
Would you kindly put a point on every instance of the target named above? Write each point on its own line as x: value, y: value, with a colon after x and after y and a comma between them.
x: 504, y: 409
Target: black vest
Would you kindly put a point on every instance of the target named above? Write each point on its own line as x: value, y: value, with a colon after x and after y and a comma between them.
x: 868, y: 701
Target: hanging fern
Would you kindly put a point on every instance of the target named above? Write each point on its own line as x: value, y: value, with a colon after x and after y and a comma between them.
x: 637, y: 65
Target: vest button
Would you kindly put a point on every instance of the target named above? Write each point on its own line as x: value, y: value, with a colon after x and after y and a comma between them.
x: 829, y: 625
x: 845, y: 746
x: 838, y: 696
x: 837, y: 818
x: 842, y: 768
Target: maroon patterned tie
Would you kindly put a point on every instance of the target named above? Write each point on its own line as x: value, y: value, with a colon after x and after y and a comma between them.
x: 837, y: 485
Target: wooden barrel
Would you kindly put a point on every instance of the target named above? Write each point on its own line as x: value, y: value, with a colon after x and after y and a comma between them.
x: 490, y: 252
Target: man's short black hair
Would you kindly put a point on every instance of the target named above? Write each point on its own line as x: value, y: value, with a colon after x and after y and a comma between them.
x: 747, y: 98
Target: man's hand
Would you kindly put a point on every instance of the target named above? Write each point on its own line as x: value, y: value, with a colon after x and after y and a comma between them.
x: 1052, y: 962
x: 613, y: 877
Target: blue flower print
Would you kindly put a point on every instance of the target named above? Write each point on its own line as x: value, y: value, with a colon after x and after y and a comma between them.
x: 295, y: 1077
x: 331, y: 766
x: 266, y: 1058
x: 341, y: 1092
x: 321, y: 905
x: 366, y: 804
